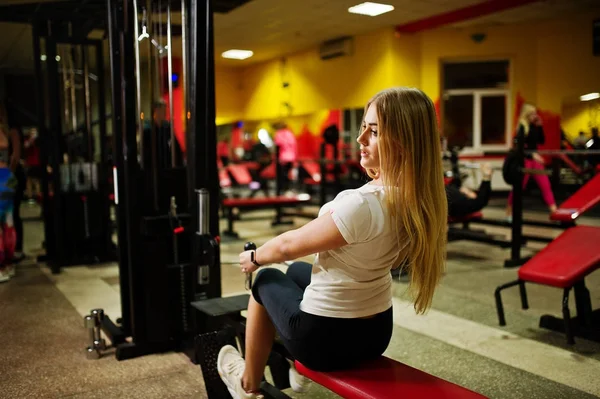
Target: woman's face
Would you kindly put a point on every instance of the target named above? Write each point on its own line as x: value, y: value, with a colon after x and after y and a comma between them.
x: 532, y: 116
x: 369, y: 153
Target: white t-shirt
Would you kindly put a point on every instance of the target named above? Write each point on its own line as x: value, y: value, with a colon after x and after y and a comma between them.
x: 354, y: 280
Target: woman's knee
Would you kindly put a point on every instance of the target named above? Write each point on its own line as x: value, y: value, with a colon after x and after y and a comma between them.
x: 297, y: 267
x: 263, y: 278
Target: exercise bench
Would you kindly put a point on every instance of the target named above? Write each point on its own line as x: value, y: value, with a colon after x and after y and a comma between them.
x: 385, y: 378
x: 580, y: 202
x: 564, y: 263
x: 465, y: 233
x: 382, y: 378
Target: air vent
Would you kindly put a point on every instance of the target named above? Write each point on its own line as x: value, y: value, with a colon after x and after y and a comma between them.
x: 336, y: 48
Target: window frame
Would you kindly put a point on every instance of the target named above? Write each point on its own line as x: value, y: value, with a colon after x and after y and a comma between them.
x: 477, y: 147
x: 477, y: 133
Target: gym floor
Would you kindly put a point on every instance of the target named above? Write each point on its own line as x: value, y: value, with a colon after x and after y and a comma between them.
x: 43, y: 338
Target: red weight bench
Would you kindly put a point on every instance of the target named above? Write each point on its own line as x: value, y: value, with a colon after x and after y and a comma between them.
x: 260, y: 203
x: 564, y: 263
x: 385, y: 378
x: 581, y: 201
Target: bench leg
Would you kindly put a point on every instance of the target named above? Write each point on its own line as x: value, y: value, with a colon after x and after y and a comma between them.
x: 523, y: 291
x: 499, y: 306
x: 567, y: 316
x: 230, y: 232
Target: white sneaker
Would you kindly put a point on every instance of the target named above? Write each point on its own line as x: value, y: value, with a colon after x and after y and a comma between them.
x: 231, y: 366
x: 11, y: 270
x: 4, y: 275
x: 298, y: 382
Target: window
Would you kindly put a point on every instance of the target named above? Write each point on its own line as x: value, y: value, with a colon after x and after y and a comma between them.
x: 475, y: 107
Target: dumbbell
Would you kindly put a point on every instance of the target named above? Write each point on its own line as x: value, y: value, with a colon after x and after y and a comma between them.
x: 249, y: 246
x: 99, y: 342
x: 92, y: 351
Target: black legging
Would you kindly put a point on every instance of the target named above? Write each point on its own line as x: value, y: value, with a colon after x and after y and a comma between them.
x: 18, y: 197
x: 461, y: 205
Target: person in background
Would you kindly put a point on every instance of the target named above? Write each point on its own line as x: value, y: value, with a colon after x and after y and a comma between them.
x: 223, y: 151
x: 531, y: 129
x: 462, y: 201
x: 33, y: 165
x: 11, y: 145
x: 288, y: 153
x: 579, y: 142
x: 163, y: 142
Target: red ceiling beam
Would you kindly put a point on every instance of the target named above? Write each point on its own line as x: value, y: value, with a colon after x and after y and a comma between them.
x: 461, y: 14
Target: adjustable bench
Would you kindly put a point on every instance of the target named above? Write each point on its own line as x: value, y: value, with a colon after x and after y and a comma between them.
x: 385, y: 378
x: 581, y: 201
x: 564, y: 263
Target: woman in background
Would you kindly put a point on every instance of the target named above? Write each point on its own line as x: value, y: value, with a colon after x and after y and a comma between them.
x: 530, y: 128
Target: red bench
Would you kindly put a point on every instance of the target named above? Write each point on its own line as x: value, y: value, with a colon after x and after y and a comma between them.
x: 581, y: 201
x: 386, y: 378
x: 260, y: 203
x: 564, y: 263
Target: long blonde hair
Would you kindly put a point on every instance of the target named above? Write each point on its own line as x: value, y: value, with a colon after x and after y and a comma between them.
x: 526, y: 110
x: 409, y: 153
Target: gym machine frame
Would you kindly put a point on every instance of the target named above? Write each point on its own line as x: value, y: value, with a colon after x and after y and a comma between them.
x: 62, y: 238
x: 167, y: 258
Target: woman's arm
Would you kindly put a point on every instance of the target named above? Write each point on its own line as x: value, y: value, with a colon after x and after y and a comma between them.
x: 319, y: 235
x: 16, y: 149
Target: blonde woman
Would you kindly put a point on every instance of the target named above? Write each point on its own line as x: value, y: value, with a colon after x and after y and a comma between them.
x: 530, y: 128
x: 322, y: 311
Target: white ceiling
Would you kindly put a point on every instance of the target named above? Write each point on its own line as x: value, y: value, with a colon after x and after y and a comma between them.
x: 274, y: 28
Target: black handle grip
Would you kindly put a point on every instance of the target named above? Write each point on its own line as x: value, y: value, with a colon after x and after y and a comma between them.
x: 249, y: 246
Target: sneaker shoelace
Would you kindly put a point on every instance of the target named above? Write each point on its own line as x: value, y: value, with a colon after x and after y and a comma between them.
x: 235, y: 368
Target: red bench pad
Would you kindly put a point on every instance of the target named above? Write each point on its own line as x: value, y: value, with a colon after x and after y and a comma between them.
x: 240, y: 173
x: 466, y: 218
x: 265, y: 201
x: 386, y: 378
x: 566, y: 260
x: 582, y: 200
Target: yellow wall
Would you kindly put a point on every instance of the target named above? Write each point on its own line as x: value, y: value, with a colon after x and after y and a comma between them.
x: 581, y: 116
x: 378, y: 61
x: 500, y: 43
x: 566, y: 65
x: 550, y: 61
x: 228, y: 94
x: 296, y: 123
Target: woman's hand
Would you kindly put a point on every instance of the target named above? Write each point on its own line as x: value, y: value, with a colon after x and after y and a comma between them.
x: 538, y: 158
x: 246, y: 262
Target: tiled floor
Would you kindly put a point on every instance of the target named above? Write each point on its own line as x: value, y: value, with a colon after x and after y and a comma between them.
x: 458, y: 340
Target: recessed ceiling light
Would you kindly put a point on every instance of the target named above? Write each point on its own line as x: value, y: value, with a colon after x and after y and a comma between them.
x: 371, y: 9
x: 589, y: 96
x: 237, y: 54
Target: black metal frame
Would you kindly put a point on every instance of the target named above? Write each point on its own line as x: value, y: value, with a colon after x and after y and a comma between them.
x: 54, y: 208
x: 586, y: 324
x: 176, y: 268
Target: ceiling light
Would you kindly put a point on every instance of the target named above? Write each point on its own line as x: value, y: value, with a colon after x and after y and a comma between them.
x: 43, y: 57
x: 589, y: 96
x: 371, y: 9
x: 237, y: 54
